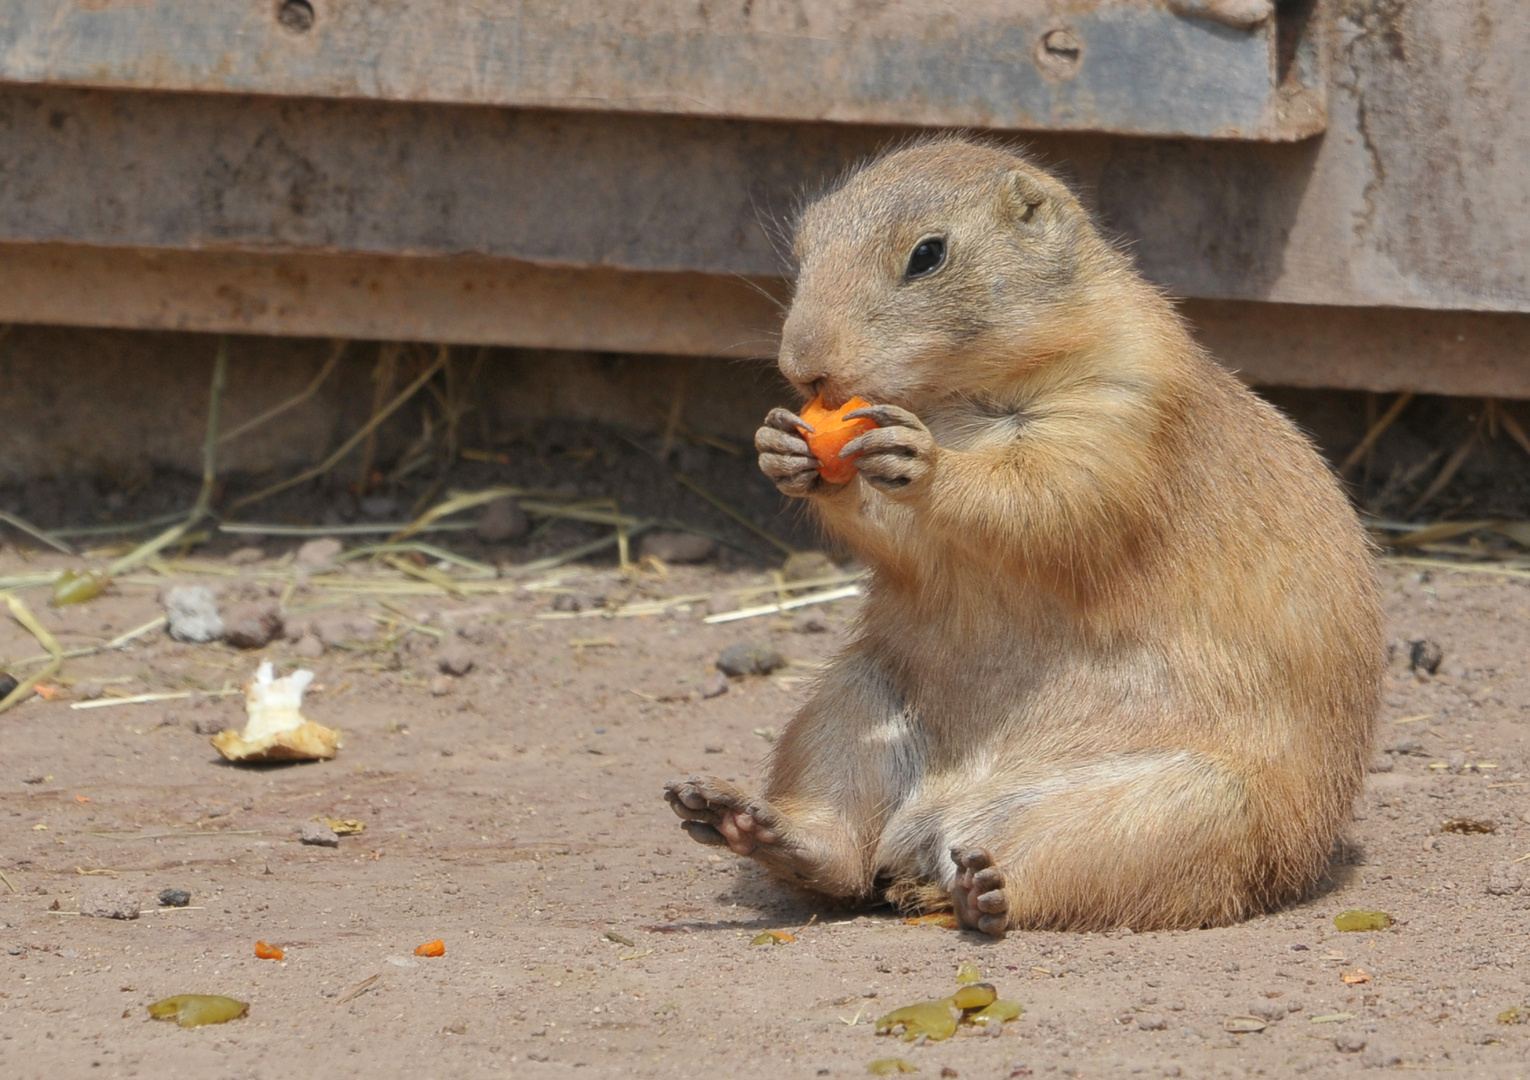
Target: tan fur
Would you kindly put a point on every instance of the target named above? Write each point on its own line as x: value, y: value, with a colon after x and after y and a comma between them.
x: 1123, y: 631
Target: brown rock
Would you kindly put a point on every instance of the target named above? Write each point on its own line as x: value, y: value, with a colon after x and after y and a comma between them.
x: 309, y: 647
x: 454, y: 659
x: 253, y: 626
x: 109, y: 900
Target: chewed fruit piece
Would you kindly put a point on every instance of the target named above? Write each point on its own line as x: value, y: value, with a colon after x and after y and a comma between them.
x: 1001, y: 1010
x: 76, y: 587
x: 891, y: 1067
x: 968, y: 973
x: 936, y: 1019
x: 432, y: 948
x: 267, y: 952
x: 1362, y: 920
x: 974, y: 996
x: 194, y: 1010
x: 831, y: 431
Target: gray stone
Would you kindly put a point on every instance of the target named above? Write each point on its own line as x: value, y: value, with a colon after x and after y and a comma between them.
x: 253, y: 626
x: 1349, y: 1042
x: 749, y: 658
x: 502, y: 520
x: 192, y: 612
x: 1152, y: 1021
x: 454, y: 659
x: 1505, y: 880
x: 677, y: 547
x: 309, y: 647
x: 210, y: 725
x: 320, y: 834
x: 8, y: 683
x: 109, y: 900
x: 1425, y: 655
x: 319, y: 554
x: 714, y: 685
x: 174, y: 898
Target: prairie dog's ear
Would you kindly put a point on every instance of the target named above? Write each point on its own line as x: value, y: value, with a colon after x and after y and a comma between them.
x: 1023, y: 195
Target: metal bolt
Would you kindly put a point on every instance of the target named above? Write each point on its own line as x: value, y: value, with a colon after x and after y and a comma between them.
x: 1059, y: 53
x: 296, y: 16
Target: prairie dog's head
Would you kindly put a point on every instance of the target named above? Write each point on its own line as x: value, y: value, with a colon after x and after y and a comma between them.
x: 938, y: 269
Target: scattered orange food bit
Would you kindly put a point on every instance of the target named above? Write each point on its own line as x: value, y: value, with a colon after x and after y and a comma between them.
x: 940, y: 918
x: 82, y: 798
x: 267, y: 952
x: 1359, y: 975
x: 831, y: 431
x: 432, y: 948
x: 773, y: 937
x: 47, y: 691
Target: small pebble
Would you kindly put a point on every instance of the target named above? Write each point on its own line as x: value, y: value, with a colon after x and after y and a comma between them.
x: 174, y: 898
x: 8, y: 683
x: 749, y: 658
x: 109, y: 901
x: 454, y: 659
x: 1456, y: 762
x: 1268, y: 1011
x: 677, y: 547
x: 253, y: 626
x: 192, y: 611
x: 1349, y: 1042
x: 807, y: 565
x: 1382, y: 1057
x: 1425, y: 655
x: 210, y: 725
x: 577, y: 602
x: 714, y: 685
x: 1506, y: 879
x: 1152, y: 1021
x: 309, y: 647
x: 316, y: 832
x: 441, y: 685
x: 246, y: 556
x: 501, y: 521
x: 318, y: 554
x: 85, y: 691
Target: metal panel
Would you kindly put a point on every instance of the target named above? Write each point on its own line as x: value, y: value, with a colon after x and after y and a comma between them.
x: 493, y: 302
x: 1128, y: 66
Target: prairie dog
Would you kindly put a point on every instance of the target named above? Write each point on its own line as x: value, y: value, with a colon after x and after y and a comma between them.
x: 1121, y: 652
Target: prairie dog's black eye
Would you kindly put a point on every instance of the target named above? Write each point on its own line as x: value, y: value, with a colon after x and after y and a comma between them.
x: 926, y: 258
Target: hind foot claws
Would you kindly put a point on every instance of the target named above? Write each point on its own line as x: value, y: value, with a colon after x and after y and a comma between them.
x: 718, y: 814
x: 979, y: 896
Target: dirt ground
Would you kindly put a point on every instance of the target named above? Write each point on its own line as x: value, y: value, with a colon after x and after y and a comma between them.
x: 515, y: 813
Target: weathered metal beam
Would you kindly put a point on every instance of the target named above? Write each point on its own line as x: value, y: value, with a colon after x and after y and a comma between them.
x: 1418, y: 196
x: 1124, y: 66
x: 496, y: 302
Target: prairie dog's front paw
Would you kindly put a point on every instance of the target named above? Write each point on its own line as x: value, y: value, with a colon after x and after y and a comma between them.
x: 898, y: 456
x: 784, y: 454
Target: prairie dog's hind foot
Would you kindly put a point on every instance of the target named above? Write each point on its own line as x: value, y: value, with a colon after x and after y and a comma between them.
x: 717, y: 813
x: 979, y: 894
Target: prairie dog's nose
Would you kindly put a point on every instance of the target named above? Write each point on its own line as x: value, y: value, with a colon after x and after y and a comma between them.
x: 803, y: 354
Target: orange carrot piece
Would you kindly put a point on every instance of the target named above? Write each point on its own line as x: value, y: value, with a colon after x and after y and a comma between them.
x: 267, y: 952
x: 831, y: 431
x: 432, y: 948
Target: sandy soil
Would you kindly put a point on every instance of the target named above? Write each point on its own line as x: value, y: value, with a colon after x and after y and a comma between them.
x: 515, y: 813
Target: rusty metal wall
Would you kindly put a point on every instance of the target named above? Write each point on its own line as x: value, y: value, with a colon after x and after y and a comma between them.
x: 626, y: 231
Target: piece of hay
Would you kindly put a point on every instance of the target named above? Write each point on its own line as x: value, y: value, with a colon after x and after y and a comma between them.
x: 277, y: 729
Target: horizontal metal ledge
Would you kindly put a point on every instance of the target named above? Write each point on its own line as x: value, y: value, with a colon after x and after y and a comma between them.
x: 497, y: 302
x: 1119, y: 66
